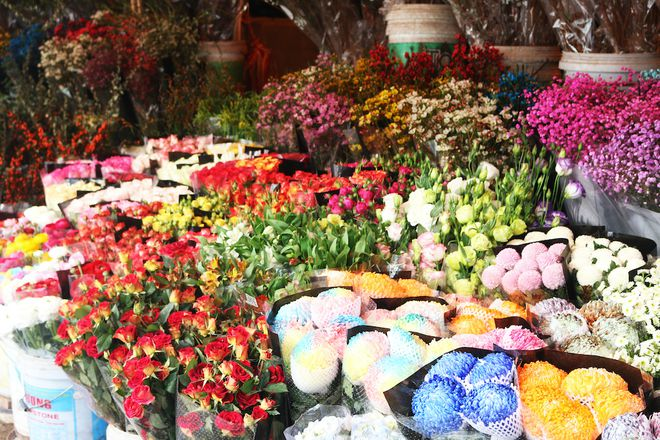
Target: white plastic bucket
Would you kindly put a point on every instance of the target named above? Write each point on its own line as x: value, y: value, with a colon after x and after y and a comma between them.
x: 114, y: 433
x: 5, y: 366
x: 56, y: 409
x: 541, y: 61
x: 15, y: 388
x: 416, y: 27
x: 607, y: 66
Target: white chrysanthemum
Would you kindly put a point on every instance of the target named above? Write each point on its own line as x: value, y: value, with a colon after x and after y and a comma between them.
x: 589, y: 275
x: 516, y: 241
x: 602, y: 253
x: 616, y: 245
x: 629, y: 253
x: 618, y: 278
x: 634, y: 263
x: 585, y: 241
x: 535, y: 236
x: 561, y: 232
x: 602, y: 242
x: 607, y: 263
x: 581, y: 254
x: 578, y: 263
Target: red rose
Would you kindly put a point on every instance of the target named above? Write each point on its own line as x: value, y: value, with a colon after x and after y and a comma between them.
x: 126, y: 334
x: 142, y: 395
x: 259, y: 414
x: 63, y: 330
x: 84, y: 325
x: 276, y: 374
x: 91, y: 349
x: 246, y: 400
x: 118, y: 357
x: 189, y: 423
x: 230, y: 423
x: 217, y: 350
x: 186, y: 355
x: 239, y: 372
x: 220, y: 394
x: 133, y: 409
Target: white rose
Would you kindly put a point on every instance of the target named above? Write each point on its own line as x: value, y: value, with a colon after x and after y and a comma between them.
x: 491, y: 170
x: 394, y: 231
x: 388, y: 214
x: 589, y: 275
x: 392, y: 200
x: 421, y: 216
x: 457, y: 185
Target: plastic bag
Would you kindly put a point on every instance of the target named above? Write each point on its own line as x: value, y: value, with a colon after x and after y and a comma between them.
x: 604, y: 26
x: 193, y: 422
x: 343, y: 27
x: 512, y: 23
x: 337, y: 423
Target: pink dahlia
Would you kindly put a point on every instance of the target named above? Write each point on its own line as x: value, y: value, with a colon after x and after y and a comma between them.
x: 492, y: 276
x: 532, y: 250
x: 546, y: 259
x: 529, y: 281
x: 510, y: 281
x: 553, y: 276
x: 507, y: 258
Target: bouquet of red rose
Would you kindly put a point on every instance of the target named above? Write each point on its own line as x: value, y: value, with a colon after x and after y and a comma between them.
x: 227, y: 384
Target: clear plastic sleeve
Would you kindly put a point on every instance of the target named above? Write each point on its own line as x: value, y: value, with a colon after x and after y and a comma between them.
x: 604, y: 26
x: 344, y: 27
x: 318, y: 413
x: 513, y: 23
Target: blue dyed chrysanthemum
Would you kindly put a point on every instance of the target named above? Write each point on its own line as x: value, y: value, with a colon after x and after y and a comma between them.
x: 455, y: 365
x: 299, y: 311
x: 495, y: 366
x: 347, y: 321
x: 436, y: 406
x: 490, y: 403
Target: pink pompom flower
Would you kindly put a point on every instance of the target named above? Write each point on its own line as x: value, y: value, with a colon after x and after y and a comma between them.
x: 507, y: 258
x: 510, y: 281
x: 553, y: 276
x: 491, y: 277
x: 529, y: 281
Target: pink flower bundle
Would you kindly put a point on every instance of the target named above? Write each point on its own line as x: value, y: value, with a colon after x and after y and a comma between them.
x: 581, y: 110
x: 513, y: 337
x: 535, y: 267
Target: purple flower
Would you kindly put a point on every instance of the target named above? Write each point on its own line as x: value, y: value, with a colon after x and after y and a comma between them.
x: 573, y: 190
x: 556, y: 218
x: 564, y: 166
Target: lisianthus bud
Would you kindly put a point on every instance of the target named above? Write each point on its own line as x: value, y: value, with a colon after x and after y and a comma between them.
x: 502, y: 233
x: 465, y: 214
x: 480, y: 242
x: 463, y: 287
x: 454, y: 260
x: 573, y: 190
x: 518, y: 226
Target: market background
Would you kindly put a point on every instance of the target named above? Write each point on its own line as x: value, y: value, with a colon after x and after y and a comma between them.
x: 414, y: 146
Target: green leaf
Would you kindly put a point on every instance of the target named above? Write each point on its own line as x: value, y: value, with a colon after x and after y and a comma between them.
x: 165, y: 313
x: 103, y: 342
x: 82, y: 312
x: 248, y: 386
x: 157, y: 421
x: 170, y: 384
x: 276, y: 388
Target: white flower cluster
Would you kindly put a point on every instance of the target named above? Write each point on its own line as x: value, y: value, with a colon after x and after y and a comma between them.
x: 28, y: 312
x: 601, y: 263
x: 640, y: 299
x: 370, y: 426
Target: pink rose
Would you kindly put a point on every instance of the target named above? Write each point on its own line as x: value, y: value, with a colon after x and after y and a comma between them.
x: 361, y: 208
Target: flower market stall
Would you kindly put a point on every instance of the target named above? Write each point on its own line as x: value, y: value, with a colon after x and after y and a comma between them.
x: 378, y: 246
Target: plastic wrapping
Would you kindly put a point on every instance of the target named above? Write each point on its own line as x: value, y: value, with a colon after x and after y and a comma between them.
x: 512, y: 23
x: 193, y: 422
x: 336, y: 423
x: 597, y: 208
x: 458, y: 408
x: 343, y: 27
x: 604, y: 26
